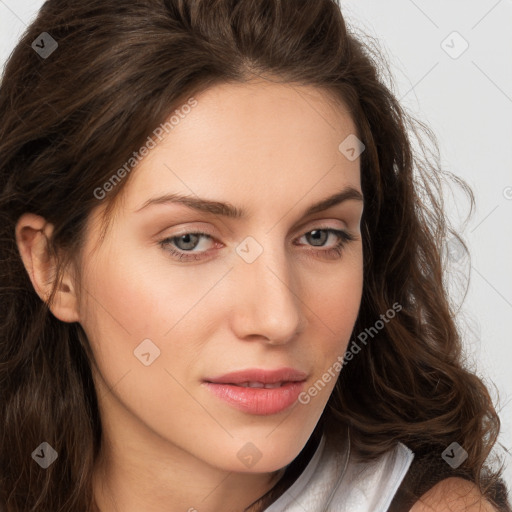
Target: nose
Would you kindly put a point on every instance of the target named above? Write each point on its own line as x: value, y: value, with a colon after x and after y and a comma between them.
x: 267, y: 301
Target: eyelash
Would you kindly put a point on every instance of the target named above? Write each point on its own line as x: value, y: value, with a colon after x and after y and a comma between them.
x: 335, y: 251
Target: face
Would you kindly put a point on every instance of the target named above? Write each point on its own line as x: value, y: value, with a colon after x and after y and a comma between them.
x: 180, y: 296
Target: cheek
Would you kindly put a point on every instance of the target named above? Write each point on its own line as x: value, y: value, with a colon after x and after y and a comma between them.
x: 135, y: 295
x: 335, y: 305
x: 145, y: 326
x: 334, y: 311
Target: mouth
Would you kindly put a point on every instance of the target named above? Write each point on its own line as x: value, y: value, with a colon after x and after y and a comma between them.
x: 260, y: 385
x: 259, y: 377
x: 258, y: 391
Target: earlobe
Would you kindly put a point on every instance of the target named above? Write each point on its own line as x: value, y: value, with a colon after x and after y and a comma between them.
x: 33, y: 234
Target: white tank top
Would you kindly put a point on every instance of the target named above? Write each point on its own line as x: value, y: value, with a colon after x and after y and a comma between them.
x: 324, y: 486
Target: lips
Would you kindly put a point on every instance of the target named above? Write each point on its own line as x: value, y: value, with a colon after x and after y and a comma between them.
x: 258, y: 391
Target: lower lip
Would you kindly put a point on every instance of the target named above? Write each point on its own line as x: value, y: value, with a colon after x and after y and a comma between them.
x: 260, y: 401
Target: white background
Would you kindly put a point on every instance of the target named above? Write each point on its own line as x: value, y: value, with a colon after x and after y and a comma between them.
x: 467, y: 100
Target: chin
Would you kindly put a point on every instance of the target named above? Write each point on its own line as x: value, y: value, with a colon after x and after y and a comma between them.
x: 266, y: 453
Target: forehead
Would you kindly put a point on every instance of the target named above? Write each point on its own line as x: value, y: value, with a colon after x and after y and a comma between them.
x: 256, y: 131
x: 267, y: 111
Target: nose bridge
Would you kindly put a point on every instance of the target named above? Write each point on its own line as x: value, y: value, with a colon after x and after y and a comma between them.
x: 268, y: 303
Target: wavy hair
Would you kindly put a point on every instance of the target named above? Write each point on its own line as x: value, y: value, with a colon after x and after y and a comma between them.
x: 68, y: 118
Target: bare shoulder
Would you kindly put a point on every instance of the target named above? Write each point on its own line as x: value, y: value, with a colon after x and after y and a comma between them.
x: 453, y: 495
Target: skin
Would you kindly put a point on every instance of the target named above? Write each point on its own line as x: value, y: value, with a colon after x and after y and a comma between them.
x: 453, y: 495
x: 269, y: 149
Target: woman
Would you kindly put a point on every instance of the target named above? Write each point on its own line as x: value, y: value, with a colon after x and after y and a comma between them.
x: 174, y: 335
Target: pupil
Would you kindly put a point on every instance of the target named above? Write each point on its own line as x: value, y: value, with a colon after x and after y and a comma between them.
x: 187, y: 239
x: 317, y: 233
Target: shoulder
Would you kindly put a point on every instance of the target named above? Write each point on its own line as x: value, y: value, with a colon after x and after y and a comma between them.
x: 453, y: 495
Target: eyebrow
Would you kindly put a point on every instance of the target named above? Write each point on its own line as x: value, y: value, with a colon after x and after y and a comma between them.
x: 231, y: 211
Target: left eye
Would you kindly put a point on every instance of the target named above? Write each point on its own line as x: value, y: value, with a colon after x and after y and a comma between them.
x: 188, y: 241
x: 319, y: 234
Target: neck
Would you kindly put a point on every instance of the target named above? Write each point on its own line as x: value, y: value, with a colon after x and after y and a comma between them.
x: 133, y: 483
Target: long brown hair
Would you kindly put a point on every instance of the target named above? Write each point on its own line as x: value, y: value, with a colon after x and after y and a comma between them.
x: 73, y: 114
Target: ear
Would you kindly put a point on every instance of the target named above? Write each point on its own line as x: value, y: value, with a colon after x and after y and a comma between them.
x: 33, y: 234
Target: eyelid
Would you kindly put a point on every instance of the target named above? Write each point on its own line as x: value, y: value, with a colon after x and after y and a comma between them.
x: 302, y: 230
x: 311, y: 225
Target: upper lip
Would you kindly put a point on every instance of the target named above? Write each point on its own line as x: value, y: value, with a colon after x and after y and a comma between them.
x: 265, y: 376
